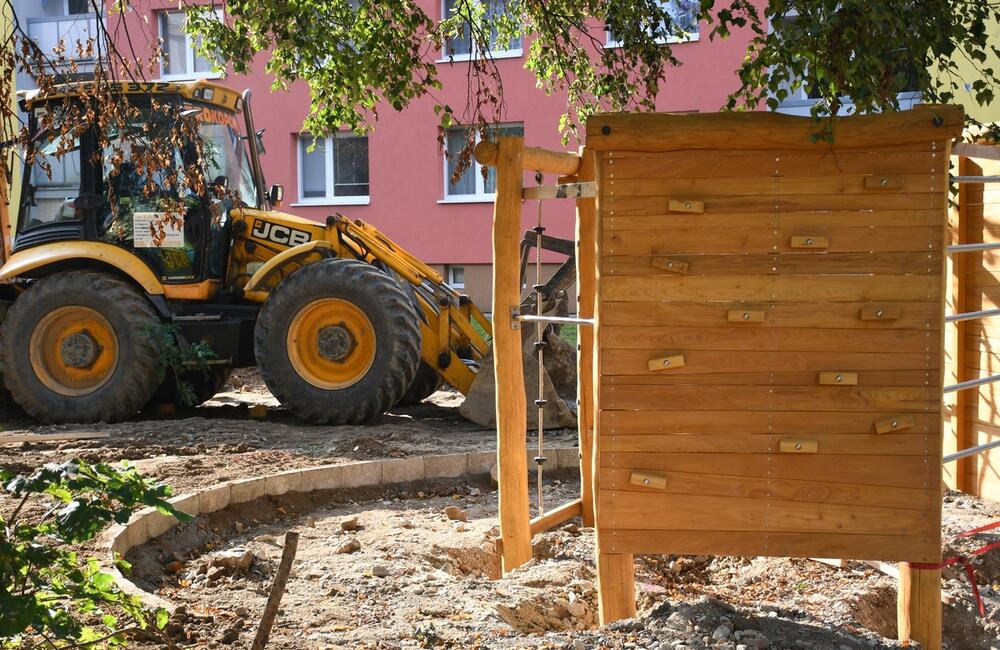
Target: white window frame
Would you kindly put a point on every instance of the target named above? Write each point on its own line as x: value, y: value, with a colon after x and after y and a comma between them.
x: 481, y: 196
x: 329, y: 184
x: 451, y: 276
x: 689, y: 37
x: 475, y: 53
x: 189, y: 52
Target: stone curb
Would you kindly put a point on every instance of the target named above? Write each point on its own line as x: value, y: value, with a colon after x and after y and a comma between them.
x: 149, y: 523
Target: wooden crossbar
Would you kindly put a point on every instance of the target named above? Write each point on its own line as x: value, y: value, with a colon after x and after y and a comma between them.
x: 553, y: 518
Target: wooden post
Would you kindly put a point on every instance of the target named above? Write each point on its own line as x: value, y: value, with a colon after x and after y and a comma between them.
x: 508, y: 365
x: 956, y: 474
x: 615, y: 586
x: 918, y: 606
x: 586, y: 278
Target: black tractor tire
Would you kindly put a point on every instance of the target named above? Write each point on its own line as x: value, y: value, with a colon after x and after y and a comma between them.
x: 205, y: 384
x: 393, y: 355
x: 117, y: 393
x: 424, y: 385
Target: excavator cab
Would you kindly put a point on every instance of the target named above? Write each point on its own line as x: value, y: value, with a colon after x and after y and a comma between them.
x: 132, y: 186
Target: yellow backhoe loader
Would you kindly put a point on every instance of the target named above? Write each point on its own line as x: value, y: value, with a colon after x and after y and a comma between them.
x: 341, y: 321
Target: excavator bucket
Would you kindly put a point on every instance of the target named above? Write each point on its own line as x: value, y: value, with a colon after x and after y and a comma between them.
x: 558, y: 357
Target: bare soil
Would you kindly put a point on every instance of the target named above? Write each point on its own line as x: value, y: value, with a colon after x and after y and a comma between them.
x: 420, y: 579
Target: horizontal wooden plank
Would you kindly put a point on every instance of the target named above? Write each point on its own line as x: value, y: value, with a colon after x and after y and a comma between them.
x: 838, y: 315
x: 766, y: 398
x: 782, y: 288
x: 764, y: 240
x: 620, y: 205
x: 717, y: 421
x: 905, y: 263
x: 900, y: 471
x: 709, y: 164
x: 746, y: 487
x: 657, y: 511
x: 617, y: 362
x: 782, y: 186
x: 871, y: 378
x: 902, y: 444
x: 682, y: 339
x: 768, y: 131
x: 772, y: 219
x: 888, y: 548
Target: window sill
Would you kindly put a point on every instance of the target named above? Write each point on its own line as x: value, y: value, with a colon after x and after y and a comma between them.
x: 191, y: 77
x: 459, y: 58
x: 693, y: 38
x: 467, y: 199
x: 343, y: 200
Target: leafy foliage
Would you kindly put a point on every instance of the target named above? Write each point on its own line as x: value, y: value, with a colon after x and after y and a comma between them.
x: 179, y: 360
x: 50, y: 596
x: 357, y: 54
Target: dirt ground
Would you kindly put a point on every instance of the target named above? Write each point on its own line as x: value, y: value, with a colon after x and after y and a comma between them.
x: 420, y: 579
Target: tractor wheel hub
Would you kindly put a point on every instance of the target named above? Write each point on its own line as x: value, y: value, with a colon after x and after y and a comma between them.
x: 79, y: 350
x: 335, y: 342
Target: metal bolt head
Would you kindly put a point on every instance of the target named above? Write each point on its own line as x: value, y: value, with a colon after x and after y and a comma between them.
x: 840, y: 378
x: 879, y: 313
x: 883, y: 182
x: 746, y: 315
x: 670, y: 265
x: 666, y: 362
x: 645, y: 481
x: 894, y: 424
x: 687, y: 204
x: 798, y: 445
x: 809, y: 240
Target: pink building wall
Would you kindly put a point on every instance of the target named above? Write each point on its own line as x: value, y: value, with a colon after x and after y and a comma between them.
x: 405, y: 162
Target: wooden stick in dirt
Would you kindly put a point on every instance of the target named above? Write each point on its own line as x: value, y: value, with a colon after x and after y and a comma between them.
x: 277, y: 591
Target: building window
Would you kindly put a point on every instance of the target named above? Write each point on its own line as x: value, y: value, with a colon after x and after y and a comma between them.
x: 181, y: 59
x: 684, y: 15
x: 471, y: 185
x: 75, y: 7
x: 800, y: 100
x: 335, y: 170
x: 456, y: 277
x: 461, y: 47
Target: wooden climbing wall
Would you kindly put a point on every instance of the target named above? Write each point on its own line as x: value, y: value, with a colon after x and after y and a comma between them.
x: 769, y: 334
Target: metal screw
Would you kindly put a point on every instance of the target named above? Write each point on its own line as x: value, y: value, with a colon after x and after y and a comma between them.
x: 894, y: 424
x: 798, y: 445
x: 670, y: 265
x: 666, y: 362
x: 809, y: 241
x: 879, y: 313
x: 840, y: 378
x: 645, y: 481
x: 884, y: 182
x: 687, y: 204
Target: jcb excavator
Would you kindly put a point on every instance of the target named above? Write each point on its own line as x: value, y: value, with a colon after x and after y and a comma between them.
x: 341, y: 321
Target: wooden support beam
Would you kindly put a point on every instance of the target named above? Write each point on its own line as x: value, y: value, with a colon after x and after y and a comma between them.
x: 532, y: 159
x: 615, y: 587
x: 586, y: 282
x: 511, y: 404
x: 553, y: 518
x: 918, y: 606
